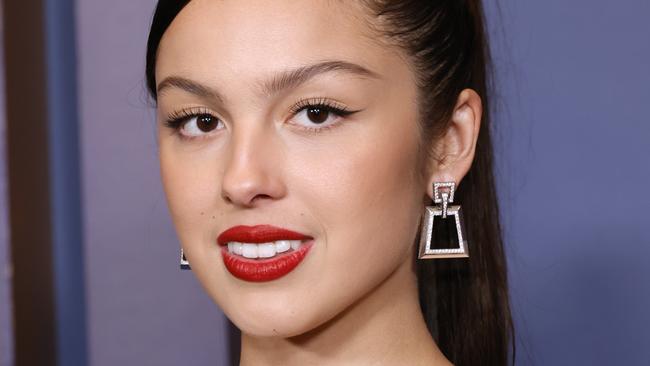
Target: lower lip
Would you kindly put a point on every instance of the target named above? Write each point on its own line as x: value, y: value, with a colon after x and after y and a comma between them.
x: 261, y: 270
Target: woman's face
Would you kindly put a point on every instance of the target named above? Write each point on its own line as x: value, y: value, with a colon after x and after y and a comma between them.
x: 266, y: 150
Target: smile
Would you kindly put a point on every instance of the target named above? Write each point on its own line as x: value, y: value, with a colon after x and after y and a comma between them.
x: 262, y: 252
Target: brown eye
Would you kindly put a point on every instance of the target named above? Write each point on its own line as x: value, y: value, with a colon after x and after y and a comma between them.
x: 206, y: 122
x: 201, y: 124
x: 317, y: 115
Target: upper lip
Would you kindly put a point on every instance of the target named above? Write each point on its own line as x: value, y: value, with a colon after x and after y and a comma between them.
x: 258, y: 234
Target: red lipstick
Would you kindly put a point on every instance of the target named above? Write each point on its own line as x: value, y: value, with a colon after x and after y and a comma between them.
x: 262, y: 269
x: 258, y: 234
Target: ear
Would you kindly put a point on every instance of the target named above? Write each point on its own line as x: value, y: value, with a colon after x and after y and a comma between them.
x: 454, y: 151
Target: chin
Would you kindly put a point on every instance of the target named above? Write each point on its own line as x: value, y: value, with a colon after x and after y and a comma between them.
x: 282, y: 324
x: 278, y: 315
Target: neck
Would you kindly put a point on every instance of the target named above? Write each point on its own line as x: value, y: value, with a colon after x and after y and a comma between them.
x: 383, y: 327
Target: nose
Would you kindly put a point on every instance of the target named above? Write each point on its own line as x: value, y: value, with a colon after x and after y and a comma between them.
x: 253, y: 173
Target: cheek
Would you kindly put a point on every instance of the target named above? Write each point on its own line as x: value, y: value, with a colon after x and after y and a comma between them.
x: 191, y: 188
x: 365, y: 195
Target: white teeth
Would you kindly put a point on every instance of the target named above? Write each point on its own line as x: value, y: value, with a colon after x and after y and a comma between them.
x: 263, y: 250
x: 266, y: 250
x: 282, y: 246
x: 249, y: 250
x: 234, y: 247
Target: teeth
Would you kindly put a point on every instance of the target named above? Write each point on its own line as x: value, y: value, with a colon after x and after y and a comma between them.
x: 263, y: 250
x: 282, y: 246
x: 249, y: 250
x: 266, y: 250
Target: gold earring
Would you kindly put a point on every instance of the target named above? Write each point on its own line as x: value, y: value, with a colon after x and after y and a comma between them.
x: 443, y: 195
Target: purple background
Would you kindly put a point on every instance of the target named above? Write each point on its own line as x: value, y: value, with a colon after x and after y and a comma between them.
x: 573, y: 172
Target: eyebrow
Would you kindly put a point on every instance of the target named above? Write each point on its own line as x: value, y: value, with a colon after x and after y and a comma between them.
x: 284, y: 80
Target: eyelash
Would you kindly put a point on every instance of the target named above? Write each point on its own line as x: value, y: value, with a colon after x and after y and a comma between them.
x: 176, y: 119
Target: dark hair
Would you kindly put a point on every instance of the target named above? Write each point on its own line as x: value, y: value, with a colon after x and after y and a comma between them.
x: 464, y: 301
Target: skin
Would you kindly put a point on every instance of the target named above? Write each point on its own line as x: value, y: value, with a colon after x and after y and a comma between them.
x: 357, y: 186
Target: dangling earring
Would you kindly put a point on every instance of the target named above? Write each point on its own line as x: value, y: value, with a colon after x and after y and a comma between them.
x: 443, y: 232
x: 184, y: 263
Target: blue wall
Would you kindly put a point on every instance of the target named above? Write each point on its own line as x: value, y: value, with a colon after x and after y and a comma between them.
x: 65, y: 184
x: 574, y: 175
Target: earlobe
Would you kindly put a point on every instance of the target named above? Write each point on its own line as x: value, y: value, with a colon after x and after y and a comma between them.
x: 455, y: 150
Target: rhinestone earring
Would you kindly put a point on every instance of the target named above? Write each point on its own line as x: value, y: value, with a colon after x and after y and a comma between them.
x: 451, y: 233
x: 184, y: 263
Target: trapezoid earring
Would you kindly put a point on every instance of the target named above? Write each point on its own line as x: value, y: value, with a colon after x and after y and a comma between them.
x: 448, y: 233
x: 184, y: 263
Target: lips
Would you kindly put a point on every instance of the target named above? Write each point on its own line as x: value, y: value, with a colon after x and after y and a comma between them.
x: 261, y: 269
x: 258, y: 234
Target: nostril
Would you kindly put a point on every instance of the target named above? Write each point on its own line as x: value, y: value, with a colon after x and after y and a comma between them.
x: 226, y: 197
x: 260, y: 197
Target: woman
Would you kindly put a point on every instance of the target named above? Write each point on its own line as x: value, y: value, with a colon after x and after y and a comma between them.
x: 301, y: 144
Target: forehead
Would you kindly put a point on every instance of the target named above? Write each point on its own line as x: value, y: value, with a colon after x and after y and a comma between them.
x: 241, y: 38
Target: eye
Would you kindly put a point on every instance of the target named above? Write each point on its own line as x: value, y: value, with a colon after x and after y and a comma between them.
x: 193, y: 122
x: 200, y: 124
x: 318, y: 114
x: 315, y: 115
